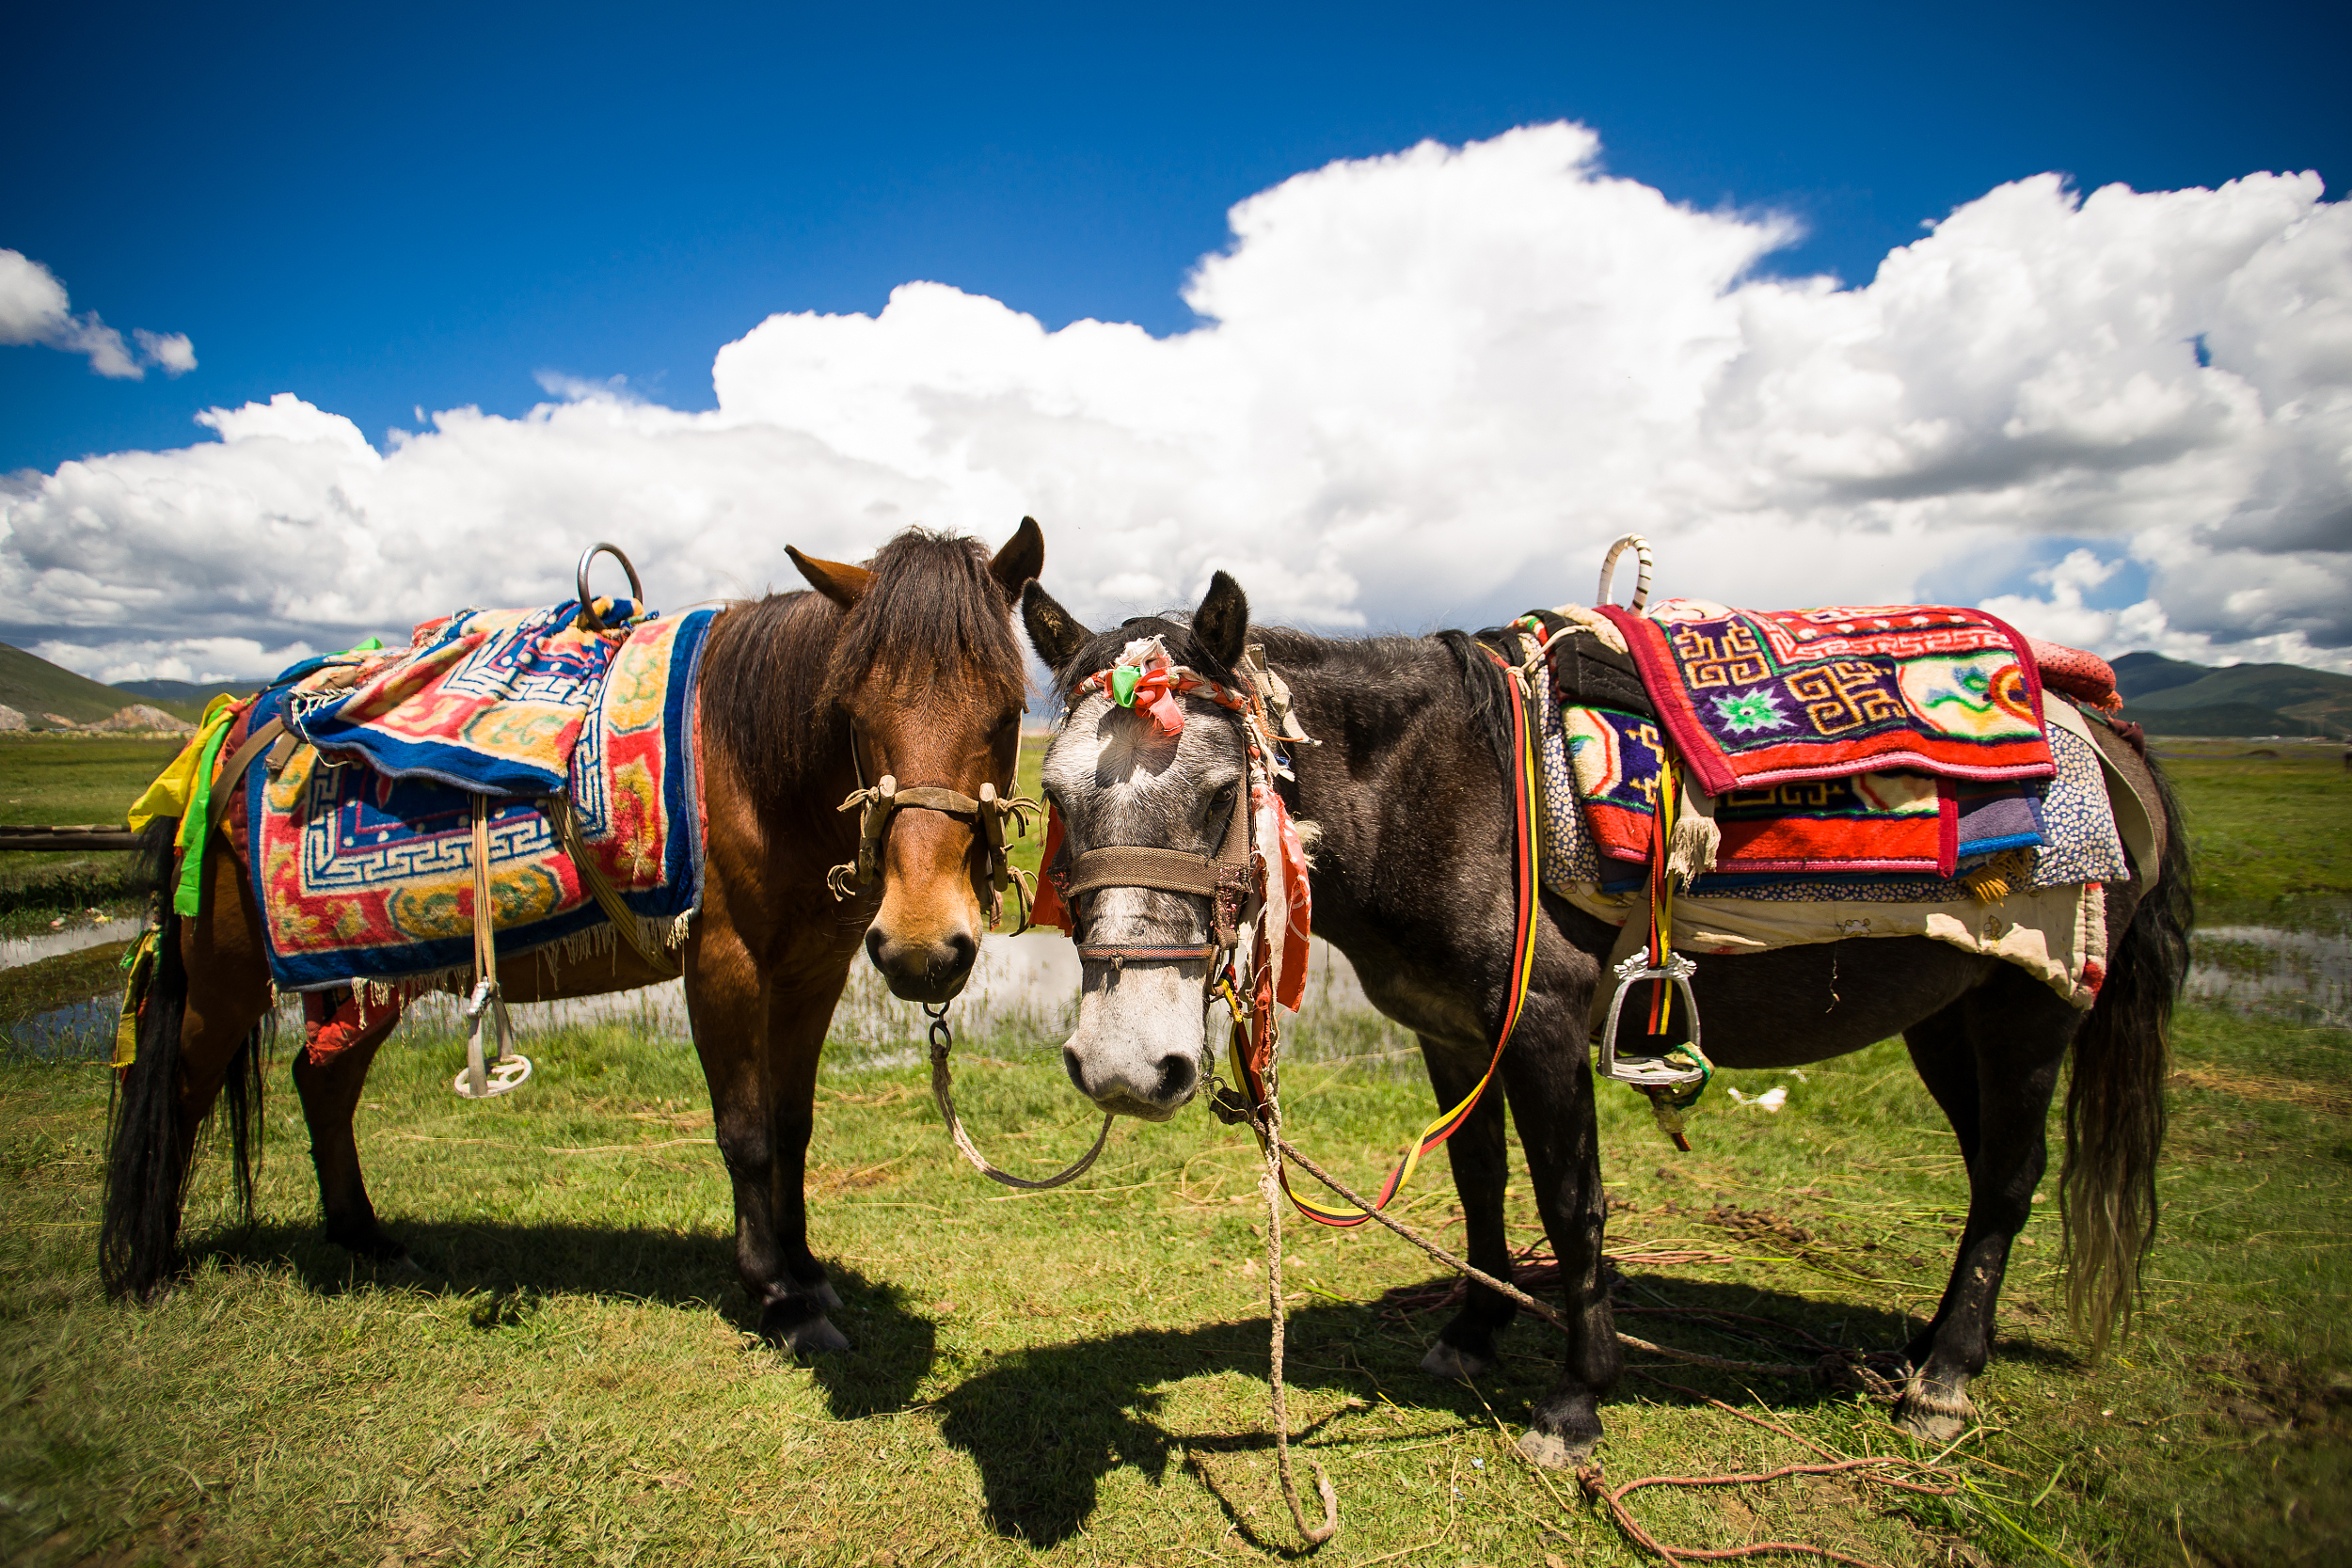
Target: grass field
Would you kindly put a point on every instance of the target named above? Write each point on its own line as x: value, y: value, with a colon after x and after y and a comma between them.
x: 56, y: 780
x: 1079, y: 1377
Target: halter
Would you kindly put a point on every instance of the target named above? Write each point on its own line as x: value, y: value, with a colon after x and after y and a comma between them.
x: 988, y: 815
x: 1246, y: 867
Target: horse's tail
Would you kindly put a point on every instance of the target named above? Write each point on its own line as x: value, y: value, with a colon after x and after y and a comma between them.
x: 148, y: 1155
x: 2115, y: 1096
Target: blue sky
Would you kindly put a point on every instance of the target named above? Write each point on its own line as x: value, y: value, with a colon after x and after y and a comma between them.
x: 1481, y: 289
x: 382, y: 210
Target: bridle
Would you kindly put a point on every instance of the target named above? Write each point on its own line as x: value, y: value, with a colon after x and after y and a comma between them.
x: 1224, y: 878
x: 1239, y: 877
x: 987, y: 816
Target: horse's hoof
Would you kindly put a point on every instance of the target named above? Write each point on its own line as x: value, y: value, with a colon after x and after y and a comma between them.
x: 1554, y: 1452
x: 1930, y: 1426
x: 815, y: 1337
x: 1454, y: 1363
x: 1932, y: 1414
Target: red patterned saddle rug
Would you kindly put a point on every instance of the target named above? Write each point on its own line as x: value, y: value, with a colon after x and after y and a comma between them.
x: 1752, y: 699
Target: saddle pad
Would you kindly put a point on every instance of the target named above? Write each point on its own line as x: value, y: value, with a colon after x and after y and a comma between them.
x: 1754, y: 698
x: 1597, y: 828
x: 492, y: 700
x: 2056, y: 934
x: 363, y: 876
x: 1873, y: 822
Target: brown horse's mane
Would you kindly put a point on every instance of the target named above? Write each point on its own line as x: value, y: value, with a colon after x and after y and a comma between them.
x: 778, y: 666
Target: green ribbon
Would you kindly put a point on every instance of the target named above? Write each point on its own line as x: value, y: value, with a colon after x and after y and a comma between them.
x: 196, y: 827
x: 1124, y: 680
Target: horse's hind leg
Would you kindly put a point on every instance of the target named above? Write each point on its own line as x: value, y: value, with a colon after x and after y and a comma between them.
x: 1991, y: 1059
x: 340, y: 1040
x: 197, y: 1033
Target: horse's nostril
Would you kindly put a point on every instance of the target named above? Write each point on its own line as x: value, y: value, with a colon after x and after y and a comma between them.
x: 1176, y: 1074
x: 1069, y: 1066
x: 874, y: 945
x: 961, y: 950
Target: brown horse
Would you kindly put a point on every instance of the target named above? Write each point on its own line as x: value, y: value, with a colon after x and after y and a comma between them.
x: 906, y: 666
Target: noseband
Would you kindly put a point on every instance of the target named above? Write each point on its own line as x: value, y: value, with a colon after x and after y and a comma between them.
x: 987, y: 816
x: 1223, y: 878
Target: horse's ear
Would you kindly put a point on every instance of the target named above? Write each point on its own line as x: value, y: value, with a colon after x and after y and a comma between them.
x: 1021, y: 561
x: 844, y: 585
x: 1053, y: 632
x: 1222, y: 621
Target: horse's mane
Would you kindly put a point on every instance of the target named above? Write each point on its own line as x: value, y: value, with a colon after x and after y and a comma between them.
x: 778, y: 665
x: 1474, y: 679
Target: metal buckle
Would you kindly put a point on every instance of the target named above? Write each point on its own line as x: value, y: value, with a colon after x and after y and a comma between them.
x: 1650, y: 1072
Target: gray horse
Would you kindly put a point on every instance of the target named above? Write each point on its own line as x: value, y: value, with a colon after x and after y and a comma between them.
x: 1408, y: 805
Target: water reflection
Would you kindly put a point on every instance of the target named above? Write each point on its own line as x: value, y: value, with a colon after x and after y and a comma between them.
x: 2302, y: 970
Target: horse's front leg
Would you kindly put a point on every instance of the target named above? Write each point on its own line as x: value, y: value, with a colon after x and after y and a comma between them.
x: 1550, y: 1086
x: 1991, y: 1060
x: 1465, y: 1346
x: 760, y: 1037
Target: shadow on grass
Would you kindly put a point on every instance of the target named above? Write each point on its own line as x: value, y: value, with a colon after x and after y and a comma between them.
x: 1046, y: 1425
x: 514, y: 1267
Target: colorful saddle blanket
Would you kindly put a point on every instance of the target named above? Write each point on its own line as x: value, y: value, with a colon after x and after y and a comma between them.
x: 365, y: 873
x: 1754, y: 699
x: 1877, y: 822
x: 1901, y: 836
x: 492, y: 700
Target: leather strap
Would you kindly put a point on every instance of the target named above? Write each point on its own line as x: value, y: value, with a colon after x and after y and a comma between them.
x: 239, y: 760
x: 1222, y: 879
x: 625, y: 920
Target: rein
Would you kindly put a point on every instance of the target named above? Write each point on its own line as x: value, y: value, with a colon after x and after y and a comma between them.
x: 1255, y: 1037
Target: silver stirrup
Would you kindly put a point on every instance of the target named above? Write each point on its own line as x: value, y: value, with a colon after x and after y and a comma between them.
x: 1651, y: 1073
x: 510, y: 1070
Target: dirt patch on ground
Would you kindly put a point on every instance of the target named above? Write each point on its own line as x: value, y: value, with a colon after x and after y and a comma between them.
x: 2312, y: 1403
x: 1777, y: 1232
x: 2330, y: 1098
x: 823, y: 1181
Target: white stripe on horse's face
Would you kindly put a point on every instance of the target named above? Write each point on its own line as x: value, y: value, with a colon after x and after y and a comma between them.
x: 1115, y: 779
x: 1128, y: 745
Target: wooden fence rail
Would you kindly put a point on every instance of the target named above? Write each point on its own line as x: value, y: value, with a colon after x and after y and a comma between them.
x: 99, y: 835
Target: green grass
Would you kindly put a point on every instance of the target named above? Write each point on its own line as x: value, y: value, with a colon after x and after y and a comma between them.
x: 58, y: 780
x: 1077, y: 1377
x: 2270, y: 826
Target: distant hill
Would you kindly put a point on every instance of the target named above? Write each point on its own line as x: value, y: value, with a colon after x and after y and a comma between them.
x: 2243, y: 699
x: 34, y: 687
x: 2144, y: 675
x: 191, y: 695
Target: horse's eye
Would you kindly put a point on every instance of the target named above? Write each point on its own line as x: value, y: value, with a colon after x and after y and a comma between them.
x: 1222, y: 801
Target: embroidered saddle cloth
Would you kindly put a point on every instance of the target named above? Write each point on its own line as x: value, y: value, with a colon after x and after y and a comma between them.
x: 361, y: 844
x: 1758, y: 698
x: 1882, y: 852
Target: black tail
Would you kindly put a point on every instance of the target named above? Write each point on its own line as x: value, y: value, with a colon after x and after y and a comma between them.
x: 2115, y: 1115
x: 147, y: 1158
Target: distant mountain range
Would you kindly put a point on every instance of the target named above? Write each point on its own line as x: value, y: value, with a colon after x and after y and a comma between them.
x: 2171, y: 696
x: 44, y: 693
x: 191, y: 695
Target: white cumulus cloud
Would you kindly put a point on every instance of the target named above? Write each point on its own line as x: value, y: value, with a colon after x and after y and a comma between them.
x: 1429, y: 388
x: 34, y: 309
